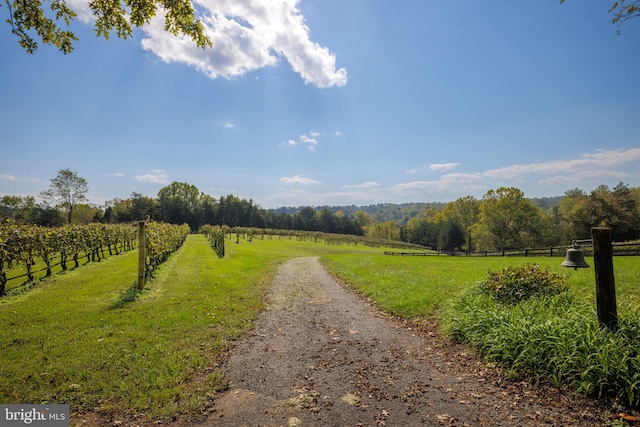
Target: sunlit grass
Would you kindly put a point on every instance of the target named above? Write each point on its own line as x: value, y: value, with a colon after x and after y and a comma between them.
x: 419, y: 286
x: 82, y: 338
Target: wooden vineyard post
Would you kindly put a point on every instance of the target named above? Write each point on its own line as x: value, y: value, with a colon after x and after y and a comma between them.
x: 141, y: 255
x: 605, y: 281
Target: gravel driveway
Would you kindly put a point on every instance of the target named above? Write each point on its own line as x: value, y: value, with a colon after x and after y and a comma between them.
x: 320, y: 355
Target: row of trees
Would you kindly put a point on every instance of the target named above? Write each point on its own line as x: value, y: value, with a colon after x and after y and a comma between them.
x: 502, y: 219
x: 180, y: 203
x: 26, y: 210
x: 177, y: 203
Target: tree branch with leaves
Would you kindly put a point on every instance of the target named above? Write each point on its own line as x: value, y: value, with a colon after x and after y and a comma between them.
x: 622, y: 11
x: 33, y: 22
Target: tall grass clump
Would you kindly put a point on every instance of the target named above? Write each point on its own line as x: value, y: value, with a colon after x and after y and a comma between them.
x: 549, y: 336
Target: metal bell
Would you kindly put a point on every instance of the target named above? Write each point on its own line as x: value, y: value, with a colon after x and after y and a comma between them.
x: 574, y: 258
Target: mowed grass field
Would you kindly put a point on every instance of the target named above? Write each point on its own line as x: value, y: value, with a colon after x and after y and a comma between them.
x: 81, y: 338
x: 422, y: 286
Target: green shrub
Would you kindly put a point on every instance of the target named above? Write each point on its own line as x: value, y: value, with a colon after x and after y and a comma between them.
x: 515, y: 284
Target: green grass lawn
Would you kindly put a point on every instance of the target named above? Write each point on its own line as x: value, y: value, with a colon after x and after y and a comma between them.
x: 80, y: 338
x: 421, y: 286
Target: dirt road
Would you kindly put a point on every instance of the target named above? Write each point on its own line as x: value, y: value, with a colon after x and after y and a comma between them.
x: 322, y: 356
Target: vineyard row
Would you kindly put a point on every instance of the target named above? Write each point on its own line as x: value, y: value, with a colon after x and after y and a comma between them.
x: 24, y: 246
x: 216, y: 235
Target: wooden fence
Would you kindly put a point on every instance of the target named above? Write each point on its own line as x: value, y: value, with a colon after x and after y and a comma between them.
x: 619, y: 249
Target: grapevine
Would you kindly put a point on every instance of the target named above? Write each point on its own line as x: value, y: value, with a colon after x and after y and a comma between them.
x: 22, y: 245
x: 215, y: 234
x: 162, y: 239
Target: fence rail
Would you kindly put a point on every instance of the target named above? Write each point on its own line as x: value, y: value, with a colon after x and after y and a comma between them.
x: 619, y: 249
x: 412, y: 253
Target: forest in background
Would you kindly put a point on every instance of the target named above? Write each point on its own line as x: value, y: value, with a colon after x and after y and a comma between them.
x: 401, y: 213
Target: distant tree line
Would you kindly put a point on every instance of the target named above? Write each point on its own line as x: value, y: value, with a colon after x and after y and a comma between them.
x: 501, y: 219
x: 505, y: 219
x: 183, y: 203
x: 399, y: 213
x: 26, y: 210
x: 177, y: 203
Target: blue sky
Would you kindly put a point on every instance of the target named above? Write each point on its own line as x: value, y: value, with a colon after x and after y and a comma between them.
x: 333, y: 103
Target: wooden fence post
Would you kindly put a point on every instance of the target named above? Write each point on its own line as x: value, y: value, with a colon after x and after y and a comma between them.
x: 141, y: 255
x: 605, y: 281
x: 3, y: 283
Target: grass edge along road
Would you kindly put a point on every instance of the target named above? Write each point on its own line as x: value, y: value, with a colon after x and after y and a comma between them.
x: 554, y: 340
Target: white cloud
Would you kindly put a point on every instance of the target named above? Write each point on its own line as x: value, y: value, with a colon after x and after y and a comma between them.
x: 82, y: 9
x: 297, y: 179
x: 157, y: 176
x: 600, y: 165
x: 438, y: 167
x: 547, y: 178
x: 368, y: 184
x: 290, y: 143
x: 248, y: 35
x: 228, y: 125
x: 119, y: 174
x: 590, y: 163
x: 453, y: 183
x: 578, y: 178
x: 309, y: 140
x: 7, y: 177
x: 443, y: 166
x: 299, y: 197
